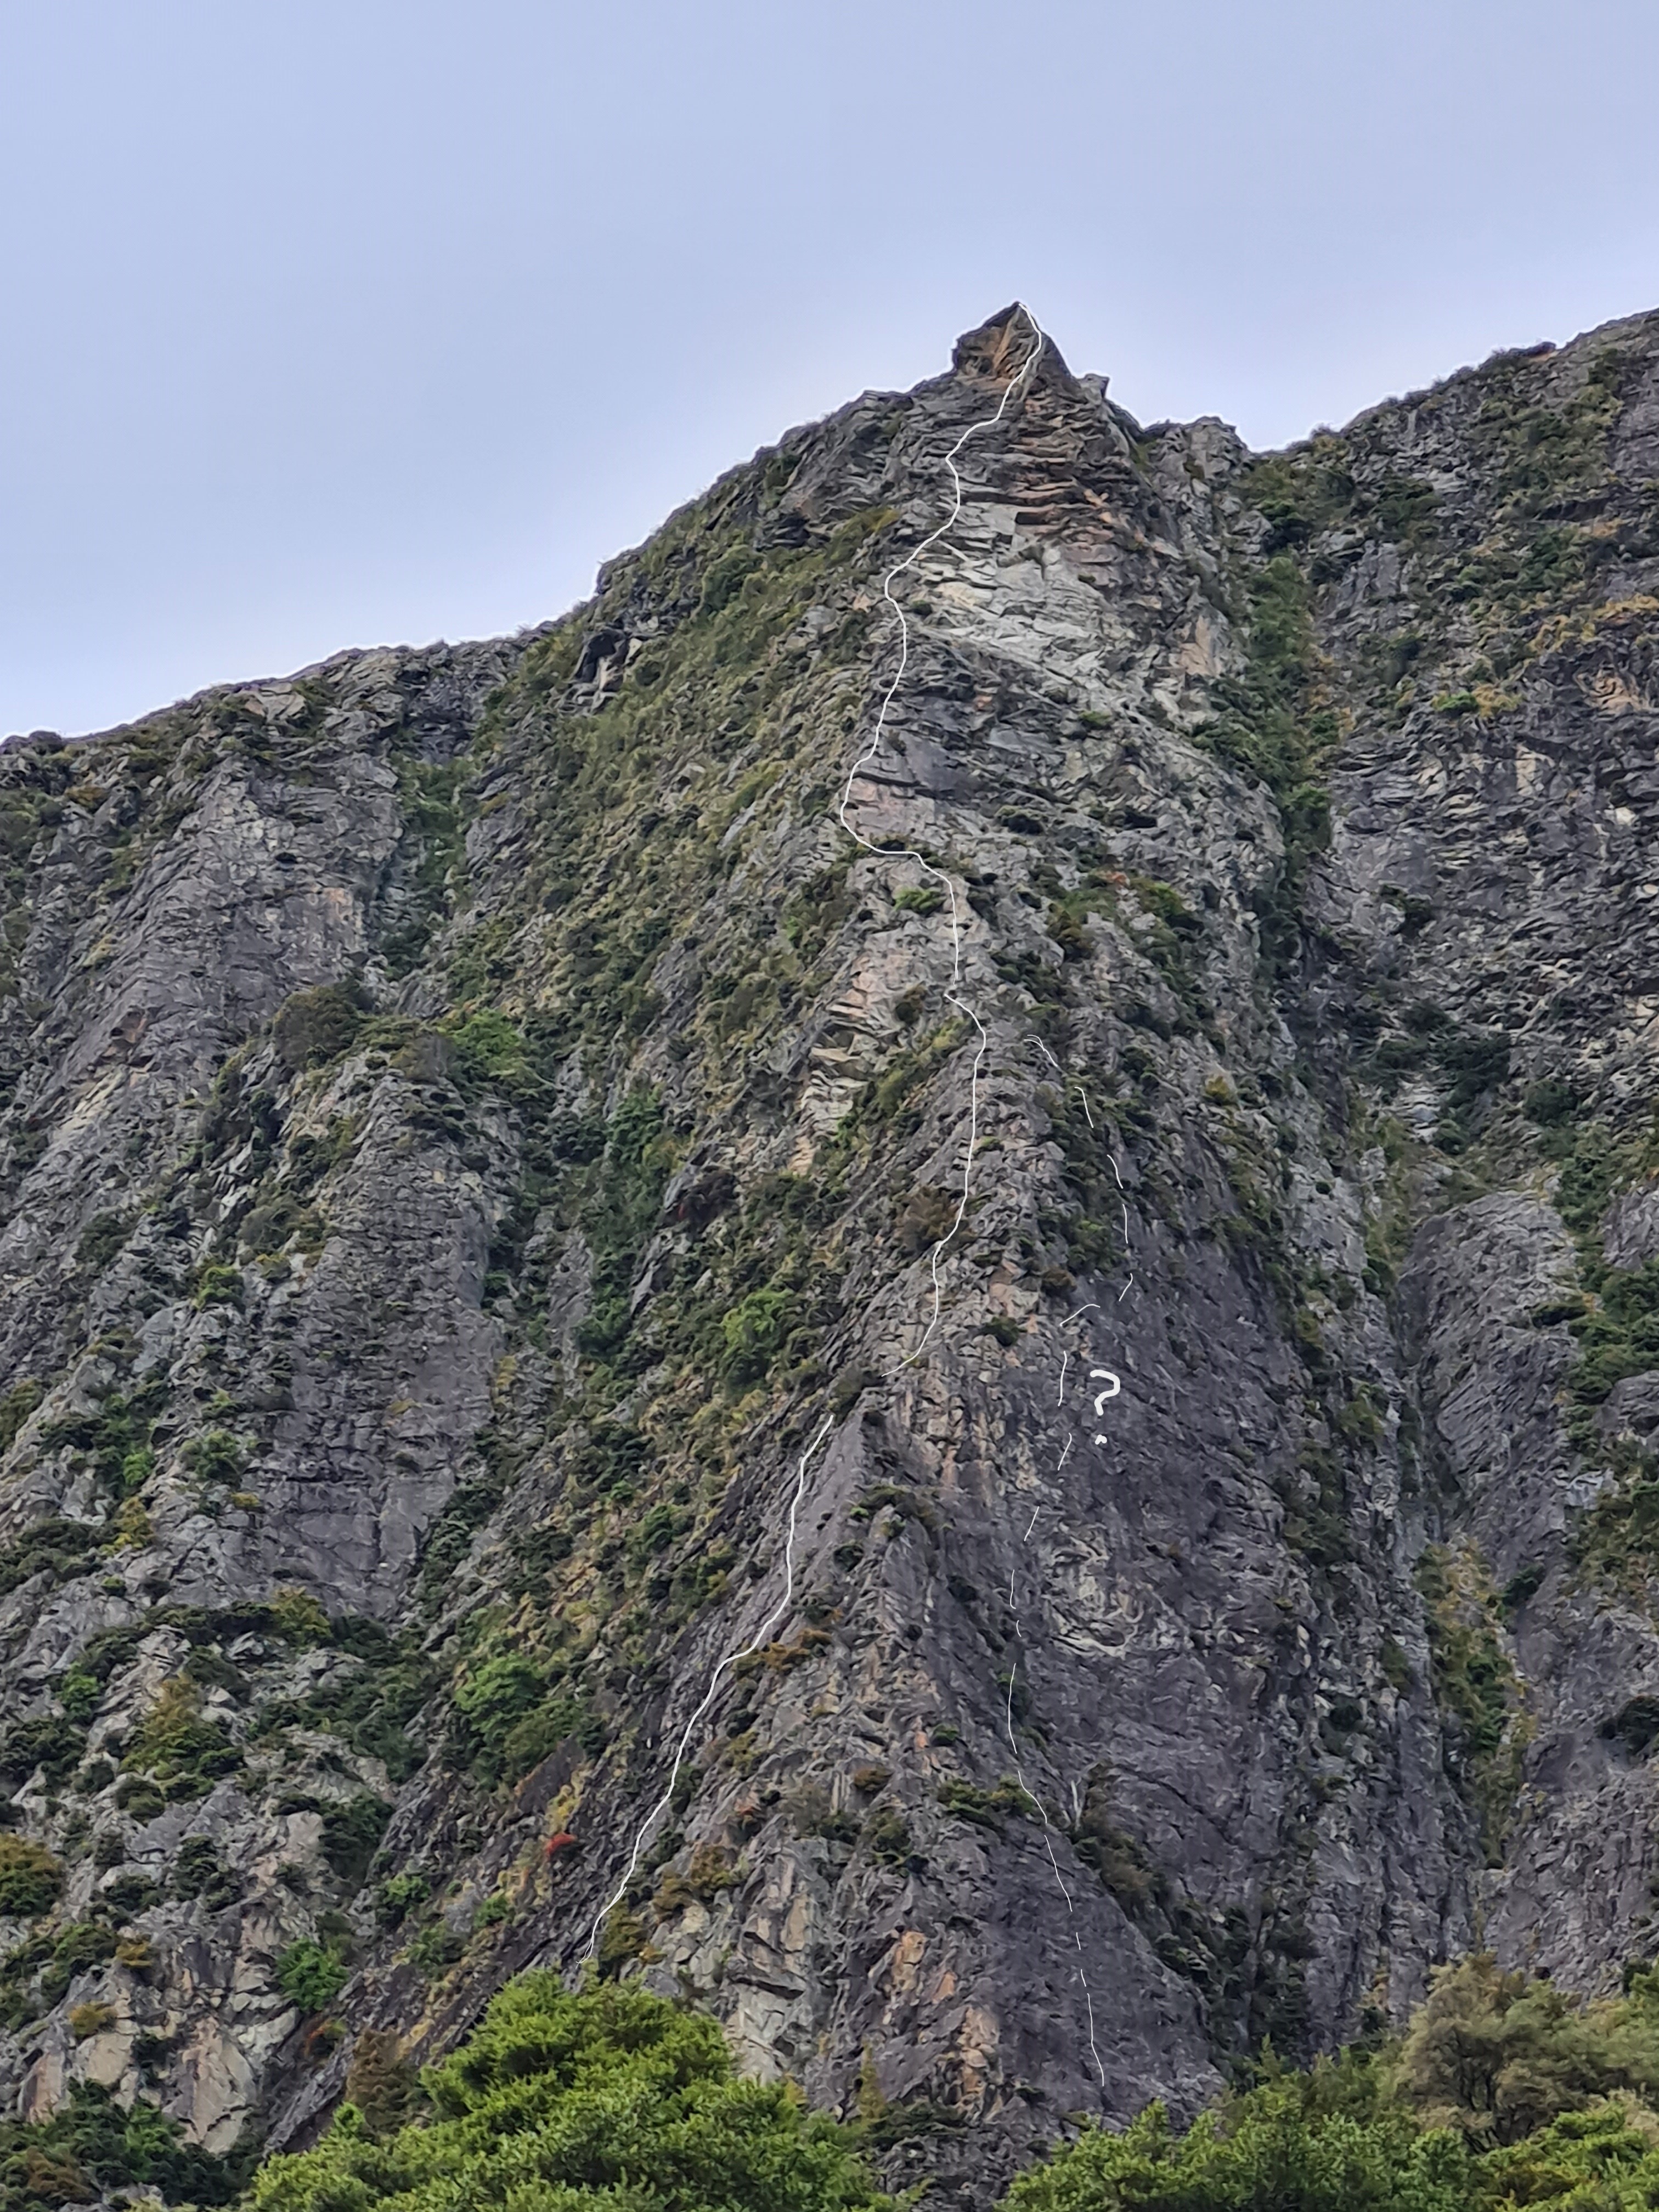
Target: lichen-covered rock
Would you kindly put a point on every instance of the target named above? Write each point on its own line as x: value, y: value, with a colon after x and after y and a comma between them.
x: 487, y: 1481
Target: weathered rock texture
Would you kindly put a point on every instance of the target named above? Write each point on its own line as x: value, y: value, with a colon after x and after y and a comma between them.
x: 472, y: 1118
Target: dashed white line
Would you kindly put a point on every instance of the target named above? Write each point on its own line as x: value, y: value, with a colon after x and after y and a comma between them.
x: 762, y: 1636
x: 953, y: 996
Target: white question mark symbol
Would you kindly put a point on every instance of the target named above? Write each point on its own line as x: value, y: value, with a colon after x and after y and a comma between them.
x: 1104, y: 1374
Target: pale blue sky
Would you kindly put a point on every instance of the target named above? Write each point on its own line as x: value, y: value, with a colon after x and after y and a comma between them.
x: 337, y: 322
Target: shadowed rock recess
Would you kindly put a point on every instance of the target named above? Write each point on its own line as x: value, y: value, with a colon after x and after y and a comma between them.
x: 471, y: 1114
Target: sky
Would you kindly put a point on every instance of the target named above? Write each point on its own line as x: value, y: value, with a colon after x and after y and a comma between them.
x: 351, y: 322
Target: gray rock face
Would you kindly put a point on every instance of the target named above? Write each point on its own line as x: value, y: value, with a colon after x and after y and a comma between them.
x: 1629, y: 1236
x: 477, y: 1142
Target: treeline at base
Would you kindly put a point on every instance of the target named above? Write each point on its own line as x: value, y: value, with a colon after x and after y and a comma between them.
x: 1502, y: 2093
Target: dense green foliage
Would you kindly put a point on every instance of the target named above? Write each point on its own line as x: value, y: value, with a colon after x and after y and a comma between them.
x: 92, y: 2145
x: 350, y: 1834
x: 562, y: 2103
x: 1503, y: 2093
x: 369, y: 1705
x: 1273, y: 2148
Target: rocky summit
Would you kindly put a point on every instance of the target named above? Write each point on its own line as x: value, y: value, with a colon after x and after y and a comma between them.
x: 487, y: 1482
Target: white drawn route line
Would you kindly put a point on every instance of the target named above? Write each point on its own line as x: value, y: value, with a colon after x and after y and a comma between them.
x: 1048, y: 1829
x: 730, y: 1659
x: 953, y: 996
x: 1076, y: 1084
x: 723, y: 1666
x: 761, y: 1634
x: 907, y: 853
x: 1115, y: 1387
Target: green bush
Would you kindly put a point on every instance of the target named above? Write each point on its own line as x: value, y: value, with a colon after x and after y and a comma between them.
x: 1549, y: 1103
x: 985, y: 1807
x: 436, y: 1949
x: 216, y: 1455
x: 61, y: 1549
x: 1497, y: 2056
x: 83, y: 1943
x: 1278, y: 725
x: 51, y: 1744
x: 199, y: 1871
x: 509, y: 1719
x: 15, y: 1407
x: 184, y: 1753
x: 368, y: 1707
x: 488, y: 1049
x: 217, y: 1283
x: 297, y: 1617
x: 497, y: 1694
x: 310, y: 1977
x: 101, y: 1240
x: 888, y: 1839
x: 121, y: 1424
x: 138, y: 1797
x: 755, y: 1332
x: 612, y: 2099
x: 129, y: 1894
x: 724, y: 578
x: 80, y: 1694
x: 623, y: 1205
x: 317, y: 1026
x: 539, y: 1734
x: 399, y: 1895
x: 31, y: 1880
x: 1476, y: 1684
x: 136, y: 1468
x: 352, y: 1833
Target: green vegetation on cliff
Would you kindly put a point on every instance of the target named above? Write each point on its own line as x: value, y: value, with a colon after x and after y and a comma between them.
x: 92, y: 2145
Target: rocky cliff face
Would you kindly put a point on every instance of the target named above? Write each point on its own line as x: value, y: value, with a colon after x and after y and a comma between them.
x: 477, y: 1139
